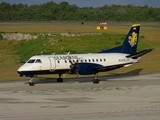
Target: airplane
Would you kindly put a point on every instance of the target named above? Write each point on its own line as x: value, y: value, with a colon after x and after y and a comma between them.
x: 86, y: 64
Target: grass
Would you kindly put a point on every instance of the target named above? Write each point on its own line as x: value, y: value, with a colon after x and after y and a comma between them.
x: 13, y: 51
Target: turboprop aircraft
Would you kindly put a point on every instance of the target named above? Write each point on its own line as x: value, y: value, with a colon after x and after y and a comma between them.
x: 86, y: 64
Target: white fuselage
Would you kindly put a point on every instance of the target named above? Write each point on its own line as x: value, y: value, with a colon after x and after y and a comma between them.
x: 62, y: 62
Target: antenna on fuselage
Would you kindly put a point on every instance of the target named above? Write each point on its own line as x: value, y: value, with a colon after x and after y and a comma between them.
x: 68, y: 53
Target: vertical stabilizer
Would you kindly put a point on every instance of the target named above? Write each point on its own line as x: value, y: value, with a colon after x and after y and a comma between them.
x: 130, y: 43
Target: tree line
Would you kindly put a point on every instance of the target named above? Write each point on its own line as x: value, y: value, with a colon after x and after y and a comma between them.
x: 52, y: 11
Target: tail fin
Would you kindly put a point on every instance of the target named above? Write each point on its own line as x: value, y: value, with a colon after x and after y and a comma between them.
x: 130, y: 43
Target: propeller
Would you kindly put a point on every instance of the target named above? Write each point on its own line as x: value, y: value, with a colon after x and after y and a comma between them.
x: 73, y: 65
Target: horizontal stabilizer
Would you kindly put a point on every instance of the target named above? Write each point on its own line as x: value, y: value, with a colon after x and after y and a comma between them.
x: 139, y: 54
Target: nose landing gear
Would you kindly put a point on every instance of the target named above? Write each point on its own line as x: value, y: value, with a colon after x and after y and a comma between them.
x: 31, y: 83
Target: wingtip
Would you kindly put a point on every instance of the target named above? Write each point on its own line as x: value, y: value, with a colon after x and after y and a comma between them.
x: 151, y: 49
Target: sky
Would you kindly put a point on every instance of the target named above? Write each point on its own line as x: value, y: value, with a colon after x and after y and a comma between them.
x: 90, y: 3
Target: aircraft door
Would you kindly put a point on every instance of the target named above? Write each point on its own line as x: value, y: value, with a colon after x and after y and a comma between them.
x: 52, y: 64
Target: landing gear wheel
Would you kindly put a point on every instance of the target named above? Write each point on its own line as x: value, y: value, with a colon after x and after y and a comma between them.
x: 31, y: 83
x: 95, y: 81
x: 59, y: 80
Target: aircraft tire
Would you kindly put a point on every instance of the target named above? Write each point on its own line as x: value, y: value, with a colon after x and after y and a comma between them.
x: 59, y: 80
x: 31, y: 83
x: 95, y: 81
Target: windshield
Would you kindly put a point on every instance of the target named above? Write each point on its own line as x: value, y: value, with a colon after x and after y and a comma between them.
x: 38, y: 61
x: 34, y: 61
x: 31, y: 61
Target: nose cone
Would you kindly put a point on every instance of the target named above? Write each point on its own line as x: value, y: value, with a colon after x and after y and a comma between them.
x: 23, y: 72
x: 20, y: 71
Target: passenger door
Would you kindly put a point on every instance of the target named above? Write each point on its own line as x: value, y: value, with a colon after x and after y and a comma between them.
x: 52, y: 64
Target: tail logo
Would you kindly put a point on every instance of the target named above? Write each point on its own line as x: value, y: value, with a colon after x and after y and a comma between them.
x: 133, y: 39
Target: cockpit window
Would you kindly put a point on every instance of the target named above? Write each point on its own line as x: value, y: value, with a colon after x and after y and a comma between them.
x: 31, y: 61
x: 38, y: 61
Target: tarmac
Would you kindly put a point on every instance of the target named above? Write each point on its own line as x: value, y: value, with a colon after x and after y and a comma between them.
x: 119, y: 97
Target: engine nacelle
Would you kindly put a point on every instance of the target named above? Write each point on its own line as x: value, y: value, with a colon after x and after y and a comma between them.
x: 87, y: 68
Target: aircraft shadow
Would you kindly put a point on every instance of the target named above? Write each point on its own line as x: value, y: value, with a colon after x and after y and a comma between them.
x: 123, y: 75
x: 83, y: 79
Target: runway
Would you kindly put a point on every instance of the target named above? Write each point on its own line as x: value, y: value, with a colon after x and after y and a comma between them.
x: 120, y: 97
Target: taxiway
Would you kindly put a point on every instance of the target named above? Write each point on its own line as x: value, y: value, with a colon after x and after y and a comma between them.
x: 132, y: 97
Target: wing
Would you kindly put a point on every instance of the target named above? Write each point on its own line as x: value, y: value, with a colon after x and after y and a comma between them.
x: 93, y: 68
x: 111, y: 67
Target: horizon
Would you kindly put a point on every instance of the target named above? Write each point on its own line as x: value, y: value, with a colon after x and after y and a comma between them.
x: 90, y: 3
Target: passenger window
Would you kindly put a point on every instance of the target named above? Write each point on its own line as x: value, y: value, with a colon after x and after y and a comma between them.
x: 85, y: 60
x: 93, y: 60
x: 97, y: 60
x: 89, y: 60
x: 104, y: 60
x: 38, y: 61
x: 101, y: 60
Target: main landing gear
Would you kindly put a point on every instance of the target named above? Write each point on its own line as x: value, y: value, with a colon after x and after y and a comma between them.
x: 95, y: 80
x: 60, y: 79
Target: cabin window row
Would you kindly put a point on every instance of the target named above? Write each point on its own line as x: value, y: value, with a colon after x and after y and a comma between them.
x: 86, y: 60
